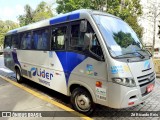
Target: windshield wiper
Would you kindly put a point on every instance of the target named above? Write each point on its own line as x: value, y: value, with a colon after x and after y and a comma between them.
x: 150, y: 55
x: 141, y: 56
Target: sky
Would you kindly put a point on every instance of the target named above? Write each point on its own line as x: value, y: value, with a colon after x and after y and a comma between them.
x: 11, y: 9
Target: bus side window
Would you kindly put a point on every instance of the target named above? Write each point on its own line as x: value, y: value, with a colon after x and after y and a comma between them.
x: 40, y: 39
x: 95, y: 47
x: 77, y: 37
x: 58, y: 38
x: 15, y: 42
x: 25, y: 40
x: 7, y: 42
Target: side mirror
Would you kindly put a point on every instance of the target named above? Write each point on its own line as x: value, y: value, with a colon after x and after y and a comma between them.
x: 88, y: 40
x: 83, y: 26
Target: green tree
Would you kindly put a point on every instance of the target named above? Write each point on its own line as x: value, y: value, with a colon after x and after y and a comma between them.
x: 128, y: 10
x: 5, y: 26
x: 27, y: 18
x: 43, y: 11
x: 2, y: 31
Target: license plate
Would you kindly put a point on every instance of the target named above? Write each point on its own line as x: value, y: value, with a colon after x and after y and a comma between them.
x: 150, y: 88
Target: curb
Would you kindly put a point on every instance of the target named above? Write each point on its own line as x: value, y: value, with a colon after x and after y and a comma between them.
x: 45, y: 98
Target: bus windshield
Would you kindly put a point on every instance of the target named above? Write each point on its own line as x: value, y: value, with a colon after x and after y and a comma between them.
x: 121, y: 40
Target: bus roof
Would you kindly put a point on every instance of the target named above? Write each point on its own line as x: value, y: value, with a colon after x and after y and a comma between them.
x: 75, y: 15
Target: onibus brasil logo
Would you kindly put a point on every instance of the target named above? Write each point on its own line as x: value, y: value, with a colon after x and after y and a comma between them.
x: 41, y: 73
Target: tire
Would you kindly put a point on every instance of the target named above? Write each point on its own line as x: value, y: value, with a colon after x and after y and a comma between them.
x: 81, y: 101
x: 18, y: 76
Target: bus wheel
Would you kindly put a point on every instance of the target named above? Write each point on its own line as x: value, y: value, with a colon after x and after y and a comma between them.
x: 18, y: 76
x: 82, y: 101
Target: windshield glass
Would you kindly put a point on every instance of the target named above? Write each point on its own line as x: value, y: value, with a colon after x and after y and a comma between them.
x: 121, y: 40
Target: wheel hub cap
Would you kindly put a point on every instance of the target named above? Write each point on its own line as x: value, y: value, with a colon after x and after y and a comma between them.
x: 83, y: 102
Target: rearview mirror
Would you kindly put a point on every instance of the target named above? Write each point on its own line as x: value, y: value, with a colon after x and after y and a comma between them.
x: 83, y: 26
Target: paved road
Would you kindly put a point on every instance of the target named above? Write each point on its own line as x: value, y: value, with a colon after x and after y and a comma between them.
x: 151, y: 104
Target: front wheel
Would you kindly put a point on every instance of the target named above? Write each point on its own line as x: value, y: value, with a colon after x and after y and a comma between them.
x: 18, y: 76
x: 82, y: 101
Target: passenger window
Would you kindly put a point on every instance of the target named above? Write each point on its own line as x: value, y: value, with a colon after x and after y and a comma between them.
x: 25, y: 40
x: 15, y: 42
x: 95, y: 47
x: 77, y: 38
x: 40, y: 39
x: 58, y: 38
x: 7, y: 42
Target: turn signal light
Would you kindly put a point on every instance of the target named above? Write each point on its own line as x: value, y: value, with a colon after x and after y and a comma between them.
x: 98, y: 84
x: 130, y: 103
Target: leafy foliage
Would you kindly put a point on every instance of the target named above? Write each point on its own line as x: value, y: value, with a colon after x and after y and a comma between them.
x: 128, y: 10
x: 27, y: 17
x: 123, y: 39
x: 4, y: 27
x: 43, y: 11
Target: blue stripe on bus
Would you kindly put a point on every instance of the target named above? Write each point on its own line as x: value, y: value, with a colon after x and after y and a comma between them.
x: 14, y: 54
x: 69, y: 61
x: 58, y: 20
x: 64, y: 18
x: 74, y: 16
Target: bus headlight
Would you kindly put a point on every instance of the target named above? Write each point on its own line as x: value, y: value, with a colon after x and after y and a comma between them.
x: 129, y: 82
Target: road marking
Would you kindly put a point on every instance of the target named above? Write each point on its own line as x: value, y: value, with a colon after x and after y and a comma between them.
x: 47, y: 99
x: 6, y: 70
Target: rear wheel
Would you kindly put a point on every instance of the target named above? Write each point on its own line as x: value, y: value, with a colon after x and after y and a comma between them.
x: 82, y: 101
x: 18, y: 76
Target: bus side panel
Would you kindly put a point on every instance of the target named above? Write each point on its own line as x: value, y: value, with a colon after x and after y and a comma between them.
x: 87, y: 73
x: 9, y: 58
x: 44, y: 68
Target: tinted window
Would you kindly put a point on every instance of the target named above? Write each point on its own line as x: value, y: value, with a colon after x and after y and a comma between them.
x: 95, y: 47
x: 77, y: 41
x: 14, y: 41
x: 77, y: 37
x: 58, y: 38
x: 26, y: 40
x: 40, y: 39
x: 7, y: 42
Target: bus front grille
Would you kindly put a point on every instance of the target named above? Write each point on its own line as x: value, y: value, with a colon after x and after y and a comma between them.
x: 144, y: 81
